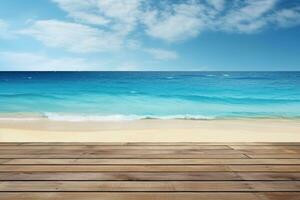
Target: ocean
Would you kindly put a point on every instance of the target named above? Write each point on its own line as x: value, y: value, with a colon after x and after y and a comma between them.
x: 117, y: 96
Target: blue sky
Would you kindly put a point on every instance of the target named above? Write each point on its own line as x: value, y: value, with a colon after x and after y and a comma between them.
x: 150, y: 35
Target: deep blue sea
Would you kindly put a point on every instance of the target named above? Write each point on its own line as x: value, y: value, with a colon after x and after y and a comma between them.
x: 77, y: 96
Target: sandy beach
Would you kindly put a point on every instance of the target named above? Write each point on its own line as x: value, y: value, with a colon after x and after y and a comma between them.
x: 247, y: 130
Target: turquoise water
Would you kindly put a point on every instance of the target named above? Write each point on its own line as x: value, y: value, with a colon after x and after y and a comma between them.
x: 77, y: 96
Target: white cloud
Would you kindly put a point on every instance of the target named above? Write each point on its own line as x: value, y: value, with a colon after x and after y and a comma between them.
x: 191, y: 17
x: 124, y: 12
x: 74, y: 37
x: 179, y: 22
x: 217, y: 4
x: 287, y: 17
x: 98, y: 21
x: 117, y: 15
x: 32, y: 61
x: 112, y: 25
x: 251, y: 16
x: 162, y: 54
x: 83, y: 11
x: 114, y: 20
x: 29, y: 61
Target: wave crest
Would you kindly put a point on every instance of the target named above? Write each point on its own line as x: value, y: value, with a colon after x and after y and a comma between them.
x: 119, y: 117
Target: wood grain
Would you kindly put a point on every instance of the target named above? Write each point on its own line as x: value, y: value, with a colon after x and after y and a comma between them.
x: 149, y: 168
x: 210, y: 171
x: 83, y: 161
x: 137, y: 186
x: 127, y: 196
x: 147, y: 176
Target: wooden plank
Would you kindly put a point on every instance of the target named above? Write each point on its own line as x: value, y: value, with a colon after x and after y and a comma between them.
x: 144, y: 151
x: 120, y: 151
x: 279, y: 196
x: 11, y: 143
x: 129, y: 176
x: 114, y: 168
x: 248, y: 147
x: 152, y: 161
x: 150, y: 168
x: 142, y: 170
x: 148, y: 176
x: 131, y: 196
x: 150, y: 186
x: 129, y: 156
x: 107, y: 147
x: 150, y: 196
x: 287, y: 155
x: 270, y: 176
x: 264, y: 168
x: 268, y: 151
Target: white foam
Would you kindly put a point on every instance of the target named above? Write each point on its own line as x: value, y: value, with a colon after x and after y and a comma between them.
x: 78, y: 118
x: 186, y: 117
x: 119, y: 117
x: 104, y: 118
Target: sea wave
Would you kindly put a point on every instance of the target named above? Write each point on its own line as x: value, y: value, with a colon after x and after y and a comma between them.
x: 82, y: 117
x: 74, y: 117
x: 119, y: 117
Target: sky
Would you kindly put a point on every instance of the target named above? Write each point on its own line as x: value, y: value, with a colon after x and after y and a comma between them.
x: 125, y: 35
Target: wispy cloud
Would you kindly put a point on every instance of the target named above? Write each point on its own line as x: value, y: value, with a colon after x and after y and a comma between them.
x: 73, y: 36
x: 33, y: 61
x: 82, y: 11
x: 217, y: 4
x: 97, y: 26
x: 287, y: 17
x: 247, y: 17
x: 188, y: 19
x: 116, y: 15
x: 174, y: 21
x: 112, y: 25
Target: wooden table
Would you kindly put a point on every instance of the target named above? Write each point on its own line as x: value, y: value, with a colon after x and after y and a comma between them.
x: 150, y: 171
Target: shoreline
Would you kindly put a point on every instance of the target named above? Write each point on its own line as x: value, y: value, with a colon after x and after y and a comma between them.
x: 152, y: 130
x: 75, y: 117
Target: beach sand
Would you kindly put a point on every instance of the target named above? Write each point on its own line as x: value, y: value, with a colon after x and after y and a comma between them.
x: 241, y: 130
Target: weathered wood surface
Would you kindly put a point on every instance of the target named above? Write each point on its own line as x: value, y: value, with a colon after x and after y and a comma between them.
x: 143, y: 161
x: 151, y: 171
x: 150, y: 195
